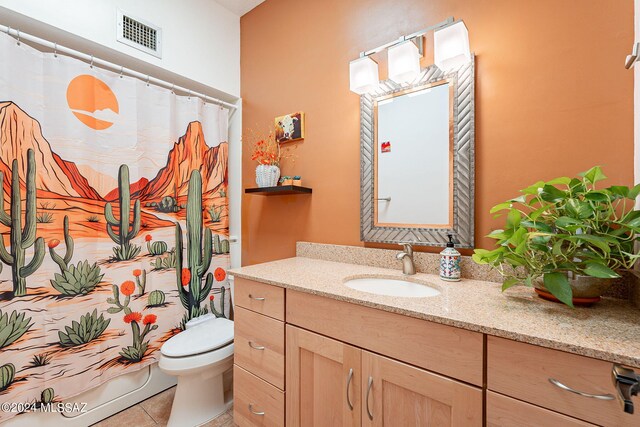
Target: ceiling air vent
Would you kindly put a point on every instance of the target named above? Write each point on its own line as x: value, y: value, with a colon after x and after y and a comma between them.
x: 139, y: 34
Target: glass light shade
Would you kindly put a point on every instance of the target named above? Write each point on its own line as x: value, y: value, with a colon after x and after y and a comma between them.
x: 451, y: 46
x: 363, y: 75
x: 404, y: 62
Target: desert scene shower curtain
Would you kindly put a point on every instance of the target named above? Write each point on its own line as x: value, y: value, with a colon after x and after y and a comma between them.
x: 114, y: 220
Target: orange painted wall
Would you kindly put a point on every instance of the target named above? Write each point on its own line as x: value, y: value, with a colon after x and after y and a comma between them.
x: 552, y: 98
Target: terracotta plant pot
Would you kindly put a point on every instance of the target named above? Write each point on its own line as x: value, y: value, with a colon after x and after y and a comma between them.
x: 586, y: 290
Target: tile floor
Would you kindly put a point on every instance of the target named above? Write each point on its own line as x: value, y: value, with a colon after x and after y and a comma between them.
x: 155, y: 412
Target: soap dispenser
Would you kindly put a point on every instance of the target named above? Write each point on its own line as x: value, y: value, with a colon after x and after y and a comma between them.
x: 450, y: 262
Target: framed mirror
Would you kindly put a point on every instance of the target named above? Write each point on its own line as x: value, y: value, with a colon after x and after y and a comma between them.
x: 417, y: 159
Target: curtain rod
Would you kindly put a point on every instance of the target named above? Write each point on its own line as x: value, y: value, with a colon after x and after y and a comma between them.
x: 19, y: 35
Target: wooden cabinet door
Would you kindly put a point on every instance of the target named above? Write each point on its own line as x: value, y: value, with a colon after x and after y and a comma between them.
x: 396, y: 394
x: 323, y: 381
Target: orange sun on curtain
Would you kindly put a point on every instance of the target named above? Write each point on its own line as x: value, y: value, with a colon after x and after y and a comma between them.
x: 92, y: 102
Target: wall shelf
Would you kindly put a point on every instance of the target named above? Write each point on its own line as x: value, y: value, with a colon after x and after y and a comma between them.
x: 279, y: 190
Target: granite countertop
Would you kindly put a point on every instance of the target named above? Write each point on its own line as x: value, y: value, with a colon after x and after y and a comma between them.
x: 609, y: 330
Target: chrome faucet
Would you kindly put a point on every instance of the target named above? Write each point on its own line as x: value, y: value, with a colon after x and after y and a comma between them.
x: 406, y: 256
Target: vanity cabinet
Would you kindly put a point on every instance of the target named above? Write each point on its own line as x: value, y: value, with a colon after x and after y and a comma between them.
x: 570, y: 384
x: 397, y: 394
x: 305, y: 360
x: 259, y: 348
x: 323, y: 381
x: 349, y: 365
x: 330, y: 383
x: 503, y: 411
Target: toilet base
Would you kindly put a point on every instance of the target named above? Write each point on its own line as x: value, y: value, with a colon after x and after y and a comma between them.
x: 198, y: 400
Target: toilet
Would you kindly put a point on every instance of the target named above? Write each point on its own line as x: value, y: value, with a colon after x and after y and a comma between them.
x: 199, y: 356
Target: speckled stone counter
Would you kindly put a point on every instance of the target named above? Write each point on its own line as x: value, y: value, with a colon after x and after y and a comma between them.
x: 609, y: 330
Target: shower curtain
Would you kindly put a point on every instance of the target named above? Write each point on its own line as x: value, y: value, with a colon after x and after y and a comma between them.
x: 114, y: 219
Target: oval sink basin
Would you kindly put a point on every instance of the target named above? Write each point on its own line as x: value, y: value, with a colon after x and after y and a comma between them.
x: 392, y: 287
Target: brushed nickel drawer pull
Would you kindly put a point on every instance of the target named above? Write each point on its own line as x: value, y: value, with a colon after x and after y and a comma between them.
x: 261, y: 413
x: 349, y: 378
x: 558, y: 384
x: 256, y: 347
x: 257, y: 298
x: 369, y: 387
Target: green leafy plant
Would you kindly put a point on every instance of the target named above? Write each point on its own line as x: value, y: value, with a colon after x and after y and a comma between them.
x: 126, y: 230
x: 215, y: 214
x: 141, y: 280
x: 12, y: 327
x: 191, y: 289
x: 220, y: 246
x: 156, y: 298
x: 168, y: 204
x: 565, y: 225
x: 136, y: 351
x: 41, y: 359
x: 212, y: 303
x: 166, y: 262
x: 155, y: 248
x: 77, y: 279
x: 127, y: 288
x: 20, y: 239
x: 89, y: 328
x: 47, y: 395
x: 7, y: 373
x: 44, y: 218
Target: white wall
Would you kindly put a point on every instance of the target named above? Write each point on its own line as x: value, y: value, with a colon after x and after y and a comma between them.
x: 201, y: 39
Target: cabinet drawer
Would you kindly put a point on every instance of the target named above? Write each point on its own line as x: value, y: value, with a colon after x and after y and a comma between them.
x: 259, y: 297
x: 524, y: 371
x: 503, y: 411
x: 454, y: 352
x: 255, y: 402
x: 259, y: 346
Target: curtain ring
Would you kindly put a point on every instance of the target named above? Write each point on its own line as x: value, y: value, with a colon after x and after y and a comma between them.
x: 147, y: 80
x: 18, y: 37
x: 55, y: 50
x: 173, y: 86
x: 189, y: 94
x: 91, y: 63
x: 8, y: 31
x: 121, y: 70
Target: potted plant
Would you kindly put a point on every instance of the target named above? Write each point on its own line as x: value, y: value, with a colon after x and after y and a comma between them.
x: 267, y: 152
x: 566, y: 238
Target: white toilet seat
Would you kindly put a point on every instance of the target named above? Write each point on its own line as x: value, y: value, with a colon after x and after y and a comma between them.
x: 206, y: 336
x: 178, y: 365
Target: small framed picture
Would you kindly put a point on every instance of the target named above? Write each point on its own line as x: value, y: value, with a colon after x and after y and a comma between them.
x: 290, y: 127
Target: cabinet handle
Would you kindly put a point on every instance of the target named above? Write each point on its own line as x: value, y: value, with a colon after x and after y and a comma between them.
x: 558, y: 384
x: 256, y: 347
x: 261, y: 413
x: 349, y: 378
x: 369, y: 387
x: 257, y: 298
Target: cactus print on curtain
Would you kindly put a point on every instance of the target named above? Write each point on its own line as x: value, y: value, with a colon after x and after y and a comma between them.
x: 114, y: 220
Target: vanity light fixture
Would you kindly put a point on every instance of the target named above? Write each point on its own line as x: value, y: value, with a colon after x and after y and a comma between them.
x: 451, y: 46
x: 404, y: 61
x: 363, y: 75
x: 451, y: 49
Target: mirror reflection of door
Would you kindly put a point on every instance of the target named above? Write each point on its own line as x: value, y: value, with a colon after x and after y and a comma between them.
x: 414, y: 157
